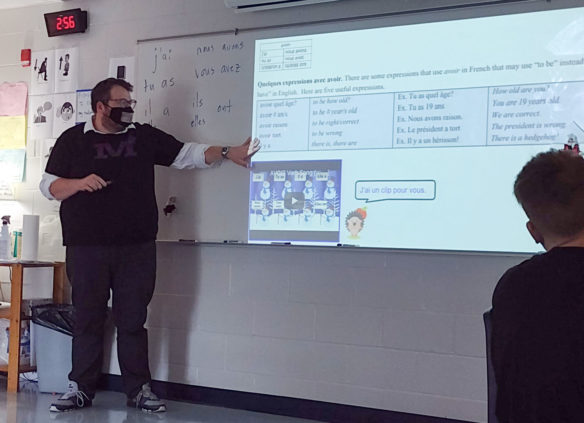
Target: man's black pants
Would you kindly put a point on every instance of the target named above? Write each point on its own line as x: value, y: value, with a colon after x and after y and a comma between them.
x: 130, y: 272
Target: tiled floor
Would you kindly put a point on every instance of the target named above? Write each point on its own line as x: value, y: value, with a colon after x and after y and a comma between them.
x: 30, y: 406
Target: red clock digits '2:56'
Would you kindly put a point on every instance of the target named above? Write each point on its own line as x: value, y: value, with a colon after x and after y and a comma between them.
x: 66, y: 22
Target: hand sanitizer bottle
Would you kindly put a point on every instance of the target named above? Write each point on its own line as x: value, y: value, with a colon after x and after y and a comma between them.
x: 5, y: 239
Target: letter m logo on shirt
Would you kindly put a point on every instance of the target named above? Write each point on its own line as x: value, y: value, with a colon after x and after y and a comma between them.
x: 125, y: 149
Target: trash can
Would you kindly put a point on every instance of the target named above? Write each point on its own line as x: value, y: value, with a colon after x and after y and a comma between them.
x: 53, y: 328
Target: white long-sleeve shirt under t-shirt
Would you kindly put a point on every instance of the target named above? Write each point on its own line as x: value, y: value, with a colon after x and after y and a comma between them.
x: 191, y: 156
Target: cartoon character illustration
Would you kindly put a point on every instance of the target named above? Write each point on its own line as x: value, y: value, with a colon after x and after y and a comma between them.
x: 355, y: 221
x: 307, y: 214
x: 265, y: 214
x: 66, y: 65
x: 39, y: 117
x: 287, y: 214
x: 330, y: 192
x: 43, y: 70
x: 572, y: 144
x: 329, y: 213
x: 265, y: 193
x: 308, y: 190
x: 287, y: 188
x: 66, y: 111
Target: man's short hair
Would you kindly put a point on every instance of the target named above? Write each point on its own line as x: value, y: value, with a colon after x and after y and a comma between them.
x: 550, y: 188
x: 101, y: 92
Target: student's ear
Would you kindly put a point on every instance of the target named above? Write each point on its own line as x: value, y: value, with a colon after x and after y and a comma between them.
x: 535, y: 234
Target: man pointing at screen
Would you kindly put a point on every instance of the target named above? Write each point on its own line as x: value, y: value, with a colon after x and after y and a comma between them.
x: 103, y: 174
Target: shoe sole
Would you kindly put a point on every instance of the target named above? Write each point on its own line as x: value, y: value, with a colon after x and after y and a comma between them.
x: 55, y: 409
x: 160, y: 409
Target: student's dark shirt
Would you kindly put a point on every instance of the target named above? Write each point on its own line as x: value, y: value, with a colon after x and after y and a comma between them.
x: 537, y: 342
x: 124, y: 212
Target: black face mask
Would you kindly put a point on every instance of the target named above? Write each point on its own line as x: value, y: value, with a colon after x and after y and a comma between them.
x: 121, y: 115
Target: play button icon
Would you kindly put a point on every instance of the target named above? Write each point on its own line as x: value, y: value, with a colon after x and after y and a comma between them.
x: 294, y: 200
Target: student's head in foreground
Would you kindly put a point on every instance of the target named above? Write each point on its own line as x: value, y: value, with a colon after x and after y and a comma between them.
x: 550, y: 188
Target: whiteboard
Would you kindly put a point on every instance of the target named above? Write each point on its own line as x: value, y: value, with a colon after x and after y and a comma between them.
x: 200, y: 88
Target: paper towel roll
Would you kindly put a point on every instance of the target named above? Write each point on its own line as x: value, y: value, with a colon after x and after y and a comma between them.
x: 30, y: 237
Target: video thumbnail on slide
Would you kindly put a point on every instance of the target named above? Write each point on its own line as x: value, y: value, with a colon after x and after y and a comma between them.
x: 295, y: 201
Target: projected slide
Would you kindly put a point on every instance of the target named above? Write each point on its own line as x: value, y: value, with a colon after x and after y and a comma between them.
x: 295, y: 201
x: 426, y: 126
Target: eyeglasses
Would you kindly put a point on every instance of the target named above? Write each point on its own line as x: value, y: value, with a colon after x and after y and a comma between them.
x: 124, y: 102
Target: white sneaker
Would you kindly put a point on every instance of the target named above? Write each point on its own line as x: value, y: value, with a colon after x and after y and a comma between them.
x: 71, y: 400
x: 147, y: 401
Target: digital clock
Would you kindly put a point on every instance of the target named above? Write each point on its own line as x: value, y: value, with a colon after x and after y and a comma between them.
x: 66, y: 22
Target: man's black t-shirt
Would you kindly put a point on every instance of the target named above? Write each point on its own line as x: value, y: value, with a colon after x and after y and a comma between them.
x: 538, y: 339
x: 124, y: 212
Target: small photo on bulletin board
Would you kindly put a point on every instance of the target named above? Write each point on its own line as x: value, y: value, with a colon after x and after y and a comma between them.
x: 84, y: 112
